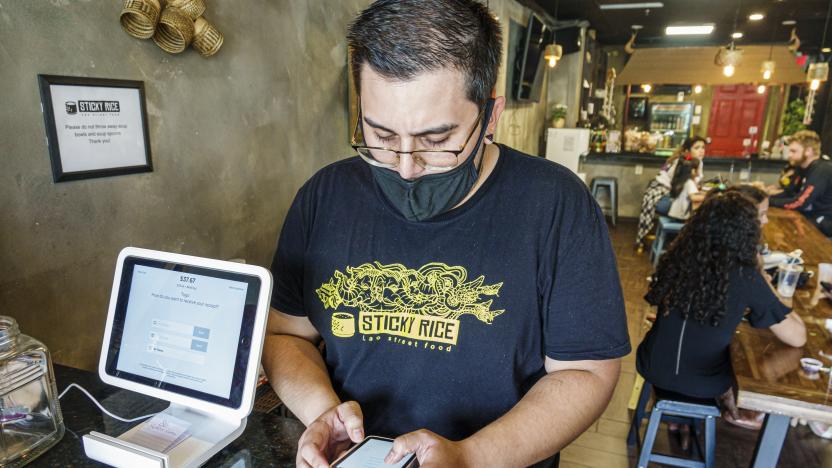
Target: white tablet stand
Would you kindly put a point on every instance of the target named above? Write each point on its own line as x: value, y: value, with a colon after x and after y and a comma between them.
x: 212, y: 426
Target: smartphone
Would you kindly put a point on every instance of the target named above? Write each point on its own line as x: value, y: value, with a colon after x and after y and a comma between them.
x: 370, y: 453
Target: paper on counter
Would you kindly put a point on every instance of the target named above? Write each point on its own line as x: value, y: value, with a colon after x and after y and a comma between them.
x: 161, y: 433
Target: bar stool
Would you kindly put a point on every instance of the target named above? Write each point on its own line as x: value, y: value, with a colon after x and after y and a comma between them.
x: 675, y: 412
x: 611, y: 186
x: 664, y: 228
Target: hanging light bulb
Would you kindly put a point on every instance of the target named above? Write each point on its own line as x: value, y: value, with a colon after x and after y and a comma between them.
x: 552, y: 54
x: 647, y: 87
x: 697, y: 89
x: 761, y: 89
x: 818, y: 71
x: 728, y: 70
x: 768, y: 69
x: 728, y: 58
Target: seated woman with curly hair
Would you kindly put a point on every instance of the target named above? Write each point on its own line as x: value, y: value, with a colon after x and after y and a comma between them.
x: 703, y: 286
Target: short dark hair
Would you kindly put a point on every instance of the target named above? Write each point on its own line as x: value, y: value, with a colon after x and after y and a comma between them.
x: 403, y: 38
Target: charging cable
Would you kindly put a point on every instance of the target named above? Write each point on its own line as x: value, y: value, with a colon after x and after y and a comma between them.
x: 101, y: 407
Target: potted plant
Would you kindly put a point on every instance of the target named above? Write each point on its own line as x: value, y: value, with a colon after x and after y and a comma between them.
x: 558, y: 116
x: 793, y: 118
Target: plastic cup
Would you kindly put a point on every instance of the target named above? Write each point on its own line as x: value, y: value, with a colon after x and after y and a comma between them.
x: 825, y: 272
x: 787, y: 276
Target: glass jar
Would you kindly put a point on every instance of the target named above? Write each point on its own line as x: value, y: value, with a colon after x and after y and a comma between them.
x: 30, y: 418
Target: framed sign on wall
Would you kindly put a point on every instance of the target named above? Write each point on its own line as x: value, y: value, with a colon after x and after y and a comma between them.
x: 95, y: 127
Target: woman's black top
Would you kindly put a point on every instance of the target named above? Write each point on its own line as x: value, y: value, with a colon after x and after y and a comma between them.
x: 688, y: 357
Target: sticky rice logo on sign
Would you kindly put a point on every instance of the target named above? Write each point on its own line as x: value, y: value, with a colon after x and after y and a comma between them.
x: 92, y: 107
x: 417, y: 308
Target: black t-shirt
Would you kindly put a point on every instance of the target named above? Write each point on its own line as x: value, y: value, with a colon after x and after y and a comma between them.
x: 814, y: 197
x: 692, y: 358
x: 444, y: 324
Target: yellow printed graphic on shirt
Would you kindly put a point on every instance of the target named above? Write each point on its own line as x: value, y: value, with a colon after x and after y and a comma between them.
x: 415, y: 305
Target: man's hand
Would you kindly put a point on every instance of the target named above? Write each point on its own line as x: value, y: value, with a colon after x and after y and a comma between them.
x: 773, y: 190
x: 329, y: 435
x: 432, y: 450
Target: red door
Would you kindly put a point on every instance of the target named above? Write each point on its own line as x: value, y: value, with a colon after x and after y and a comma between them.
x: 736, y: 111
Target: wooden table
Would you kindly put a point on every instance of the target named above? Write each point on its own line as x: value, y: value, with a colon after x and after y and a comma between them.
x: 768, y: 372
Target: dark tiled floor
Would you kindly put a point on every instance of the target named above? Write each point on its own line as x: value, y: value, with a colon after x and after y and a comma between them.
x: 604, y: 444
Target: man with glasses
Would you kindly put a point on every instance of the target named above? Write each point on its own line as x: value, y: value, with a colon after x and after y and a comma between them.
x: 467, y: 294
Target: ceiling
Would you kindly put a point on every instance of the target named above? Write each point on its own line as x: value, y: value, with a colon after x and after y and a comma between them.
x: 614, y: 26
x: 684, y: 65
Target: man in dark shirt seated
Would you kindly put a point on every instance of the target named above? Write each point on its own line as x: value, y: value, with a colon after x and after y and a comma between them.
x: 814, y: 199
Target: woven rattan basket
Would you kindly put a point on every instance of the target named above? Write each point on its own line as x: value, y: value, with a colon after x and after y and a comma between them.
x: 139, y: 17
x: 174, y: 32
x: 207, y: 38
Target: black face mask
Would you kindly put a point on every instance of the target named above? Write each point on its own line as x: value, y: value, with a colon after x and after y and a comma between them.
x: 433, y: 194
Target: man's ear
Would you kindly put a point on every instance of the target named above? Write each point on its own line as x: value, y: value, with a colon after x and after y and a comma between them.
x: 496, y: 112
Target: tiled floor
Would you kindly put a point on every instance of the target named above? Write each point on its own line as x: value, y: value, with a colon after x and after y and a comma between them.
x: 604, y: 444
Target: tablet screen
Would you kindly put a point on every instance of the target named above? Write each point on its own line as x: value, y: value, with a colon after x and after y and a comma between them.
x: 184, y: 329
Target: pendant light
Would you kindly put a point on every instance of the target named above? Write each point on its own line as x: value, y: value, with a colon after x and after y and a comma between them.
x: 553, y: 52
x: 768, y: 66
x: 729, y: 57
x: 768, y: 69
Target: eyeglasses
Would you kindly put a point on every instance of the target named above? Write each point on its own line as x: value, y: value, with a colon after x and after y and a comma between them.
x: 431, y: 160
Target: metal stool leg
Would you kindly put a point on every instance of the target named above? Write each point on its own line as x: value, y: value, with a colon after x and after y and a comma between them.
x: 638, y: 416
x: 649, y: 437
x: 694, y: 436
x: 658, y: 244
x: 710, y: 441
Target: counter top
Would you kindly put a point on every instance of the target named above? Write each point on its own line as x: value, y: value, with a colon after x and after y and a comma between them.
x: 653, y: 159
x: 268, y: 440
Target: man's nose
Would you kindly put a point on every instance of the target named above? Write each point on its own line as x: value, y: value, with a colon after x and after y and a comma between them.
x: 408, y: 169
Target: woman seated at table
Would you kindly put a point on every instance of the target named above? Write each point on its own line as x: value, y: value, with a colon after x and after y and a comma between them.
x: 703, y: 286
x: 684, y: 187
x: 660, y: 186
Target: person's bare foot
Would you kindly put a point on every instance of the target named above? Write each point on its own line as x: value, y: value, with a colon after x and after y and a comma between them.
x: 748, y: 419
x: 684, y: 437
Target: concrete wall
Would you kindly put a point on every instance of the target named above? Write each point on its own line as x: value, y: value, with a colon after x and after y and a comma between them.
x: 232, y: 137
x: 564, y: 86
